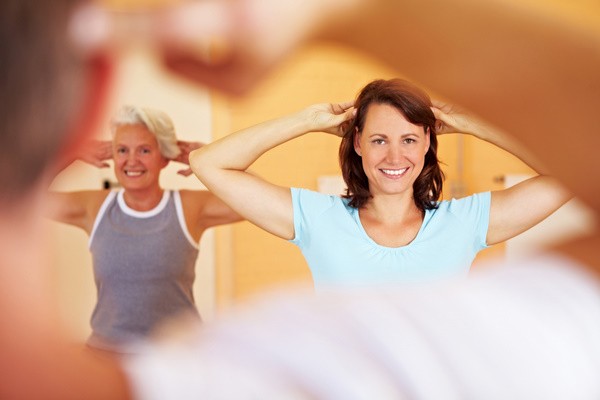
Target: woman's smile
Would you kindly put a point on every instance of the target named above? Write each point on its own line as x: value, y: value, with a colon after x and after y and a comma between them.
x: 134, y: 174
x: 394, y: 173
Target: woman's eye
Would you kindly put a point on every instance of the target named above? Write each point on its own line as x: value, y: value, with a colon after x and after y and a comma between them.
x: 409, y: 140
x: 379, y: 141
x: 121, y: 151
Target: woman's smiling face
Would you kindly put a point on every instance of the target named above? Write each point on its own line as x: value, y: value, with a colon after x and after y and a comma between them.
x: 392, y: 150
x: 137, y: 157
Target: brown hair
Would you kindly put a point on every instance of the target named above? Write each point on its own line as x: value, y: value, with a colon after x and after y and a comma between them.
x: 40, y: 79
x: 415, y: 106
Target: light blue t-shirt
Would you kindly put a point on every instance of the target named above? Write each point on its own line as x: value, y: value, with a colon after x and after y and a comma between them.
x: 339, y: 251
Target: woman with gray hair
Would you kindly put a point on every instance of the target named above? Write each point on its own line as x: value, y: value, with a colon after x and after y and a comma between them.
x: 143, y: 238
x: 157, y: 122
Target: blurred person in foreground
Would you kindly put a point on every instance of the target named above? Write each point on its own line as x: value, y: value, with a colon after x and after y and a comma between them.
x: 52, y: 97
x: 530, y: 330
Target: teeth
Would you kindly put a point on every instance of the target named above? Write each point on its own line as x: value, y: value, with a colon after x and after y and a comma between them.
x: 394, y: 171
x: 133, y: 173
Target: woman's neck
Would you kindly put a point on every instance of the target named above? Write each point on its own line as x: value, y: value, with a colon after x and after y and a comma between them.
x: 143, y: 200
x: 391, y: 209
x: 391, y: 221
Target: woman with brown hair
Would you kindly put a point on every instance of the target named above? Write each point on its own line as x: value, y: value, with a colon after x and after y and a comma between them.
x: 390, y: 226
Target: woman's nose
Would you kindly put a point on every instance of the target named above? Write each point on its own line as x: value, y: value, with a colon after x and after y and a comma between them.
x: 394, y: 154
x: 132, y: 157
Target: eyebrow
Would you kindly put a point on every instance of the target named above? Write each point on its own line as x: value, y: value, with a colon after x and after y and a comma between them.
x: 404, y: 135
x: 140, y: 145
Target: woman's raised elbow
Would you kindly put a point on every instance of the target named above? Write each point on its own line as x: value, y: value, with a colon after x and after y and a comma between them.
x: 198, y: 162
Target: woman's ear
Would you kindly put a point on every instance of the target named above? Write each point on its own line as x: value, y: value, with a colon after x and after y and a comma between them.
x: 356, y: 140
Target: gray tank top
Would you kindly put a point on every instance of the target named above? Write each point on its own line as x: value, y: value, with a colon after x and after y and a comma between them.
x: 143, y: 269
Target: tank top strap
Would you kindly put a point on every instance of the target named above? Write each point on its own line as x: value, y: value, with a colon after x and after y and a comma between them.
x: 107, y: 201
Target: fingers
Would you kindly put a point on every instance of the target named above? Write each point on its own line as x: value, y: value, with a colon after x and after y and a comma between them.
x: 188, y: 147
x: 191, y: 24
x: 202, y: 42
x: 439, y: 126
x: 441, y: 120
x: 185, y: 172
x: 342, y: 120
x: 235, y: 76
x: 349, y: 114
x: 183, y: 25
x: 438, y: 113
x: 343, y: 106
x: 448, y: 108
x: 340, y: 115
x: 98, y: 164
x: 344, y: 111
x: 229, y: 45
x: 438, y: 104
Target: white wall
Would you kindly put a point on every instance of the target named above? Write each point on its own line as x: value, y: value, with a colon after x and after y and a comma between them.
x: 141, y: 81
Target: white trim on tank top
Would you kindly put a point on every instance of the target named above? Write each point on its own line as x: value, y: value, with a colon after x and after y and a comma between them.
x: 181, y: 218
x: 111, y: 195
x: 145, y: 214
x: 142, y: 214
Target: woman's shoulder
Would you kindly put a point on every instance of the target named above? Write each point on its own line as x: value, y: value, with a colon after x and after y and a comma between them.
x: 95, y: 198
x: 192, y: 196
x: 473, y: 203
x: 308, y: 195
x: 196, y: 202
x: 457, y: 201
x: 313, y: 204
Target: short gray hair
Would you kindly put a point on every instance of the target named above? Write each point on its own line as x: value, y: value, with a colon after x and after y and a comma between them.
x: 157, y: 122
